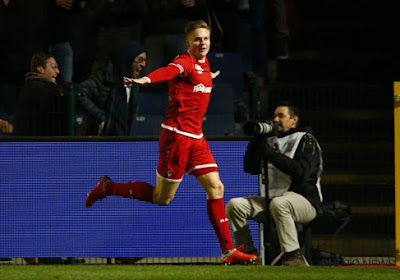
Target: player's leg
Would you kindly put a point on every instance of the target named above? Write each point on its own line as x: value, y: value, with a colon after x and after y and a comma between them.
x: 174, y: 150
x: 134, y: 190
x: 162, y: 194
x: 165, y: 191
x: 216, y: 212
x: 202, y: 165
x: 216, y: 208
x: 171, y: 166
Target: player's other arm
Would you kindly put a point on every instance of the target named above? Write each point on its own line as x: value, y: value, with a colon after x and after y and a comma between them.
x: 215, y: 74
x: 161, y: 74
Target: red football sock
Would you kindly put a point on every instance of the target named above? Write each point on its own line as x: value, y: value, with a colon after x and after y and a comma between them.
x: 135, y: 190
x: 217, y: 215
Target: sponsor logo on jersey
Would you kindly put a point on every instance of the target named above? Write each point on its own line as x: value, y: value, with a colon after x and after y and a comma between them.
x: 199, y: 69
x: 201, y: 88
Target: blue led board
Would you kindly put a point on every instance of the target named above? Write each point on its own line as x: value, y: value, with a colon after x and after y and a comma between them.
x: 43, y: 186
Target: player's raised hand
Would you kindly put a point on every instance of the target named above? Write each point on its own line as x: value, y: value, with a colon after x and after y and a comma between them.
x: 215, y: 74
x: 140, y: 81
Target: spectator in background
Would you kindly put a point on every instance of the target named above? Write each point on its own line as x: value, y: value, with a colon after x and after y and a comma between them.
x: 61, y: 16
x: 83, y: 40
x: 116, y: 20
x: 23, y: 31
x: 270, y: 36
x: 107, y: 102
x: 164, y: 37
x: 60, y: 33
x: 277, y: 30
x: 6, y: 125
x: 293, y: 162
x: 42, y: 107
x: 224, y: 18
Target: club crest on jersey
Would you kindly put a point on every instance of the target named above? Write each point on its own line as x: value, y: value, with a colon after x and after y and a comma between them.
x: 201, y: 88
x: 169, y: 173
x: 199, y: 69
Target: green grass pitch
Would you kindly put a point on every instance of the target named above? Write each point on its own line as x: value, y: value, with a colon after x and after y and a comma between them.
x: 193, y: 272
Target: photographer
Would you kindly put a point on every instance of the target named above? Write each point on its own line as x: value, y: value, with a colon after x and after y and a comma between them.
x: 293, y: 163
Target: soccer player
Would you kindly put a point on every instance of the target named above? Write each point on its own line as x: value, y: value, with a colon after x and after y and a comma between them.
x: 182, y: 146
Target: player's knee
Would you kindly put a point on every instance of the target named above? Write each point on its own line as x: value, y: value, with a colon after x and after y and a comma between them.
x: 163, y: 201
x: 217, y: 190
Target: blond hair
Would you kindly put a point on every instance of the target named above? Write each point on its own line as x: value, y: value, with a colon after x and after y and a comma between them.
x: 196, y: 24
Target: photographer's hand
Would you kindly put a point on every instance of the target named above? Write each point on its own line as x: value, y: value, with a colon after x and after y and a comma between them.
x: 252, y: 160
x: 261, y: 145
x: 257, y: 150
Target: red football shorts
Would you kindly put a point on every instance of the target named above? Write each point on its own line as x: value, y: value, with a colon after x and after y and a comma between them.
x: 179, y: 153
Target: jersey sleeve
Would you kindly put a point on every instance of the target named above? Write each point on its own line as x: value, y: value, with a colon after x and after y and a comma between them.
x: 175, y: 68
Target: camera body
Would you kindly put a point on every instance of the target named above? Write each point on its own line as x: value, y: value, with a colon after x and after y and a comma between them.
x: 260, y: 130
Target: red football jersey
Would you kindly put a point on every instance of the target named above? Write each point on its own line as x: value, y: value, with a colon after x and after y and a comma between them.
x: 190, y: 85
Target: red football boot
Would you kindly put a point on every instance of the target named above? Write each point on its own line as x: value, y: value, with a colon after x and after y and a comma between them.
x: 237, y: 257
x: 99, y: 192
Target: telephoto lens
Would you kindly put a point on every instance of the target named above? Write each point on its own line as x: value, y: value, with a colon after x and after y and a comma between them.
x: 258, y: 127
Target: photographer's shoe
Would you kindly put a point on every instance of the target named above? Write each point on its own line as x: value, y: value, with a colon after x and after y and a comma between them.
x: 294, y: 258
x: 99, y: 192
x: 237, y: 257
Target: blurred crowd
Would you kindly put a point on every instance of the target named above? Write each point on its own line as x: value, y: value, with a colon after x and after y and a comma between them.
x: 82, y: 34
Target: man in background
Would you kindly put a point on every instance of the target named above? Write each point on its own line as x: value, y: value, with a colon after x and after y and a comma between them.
x: 108, y: 103
x: 42, y: 107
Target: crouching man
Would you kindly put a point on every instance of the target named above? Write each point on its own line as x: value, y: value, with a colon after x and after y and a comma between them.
x: 293, y: 162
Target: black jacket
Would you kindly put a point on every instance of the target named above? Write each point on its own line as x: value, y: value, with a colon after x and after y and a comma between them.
x: 304, y: 169
x: 103, y: 95
x: 42, y: 109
